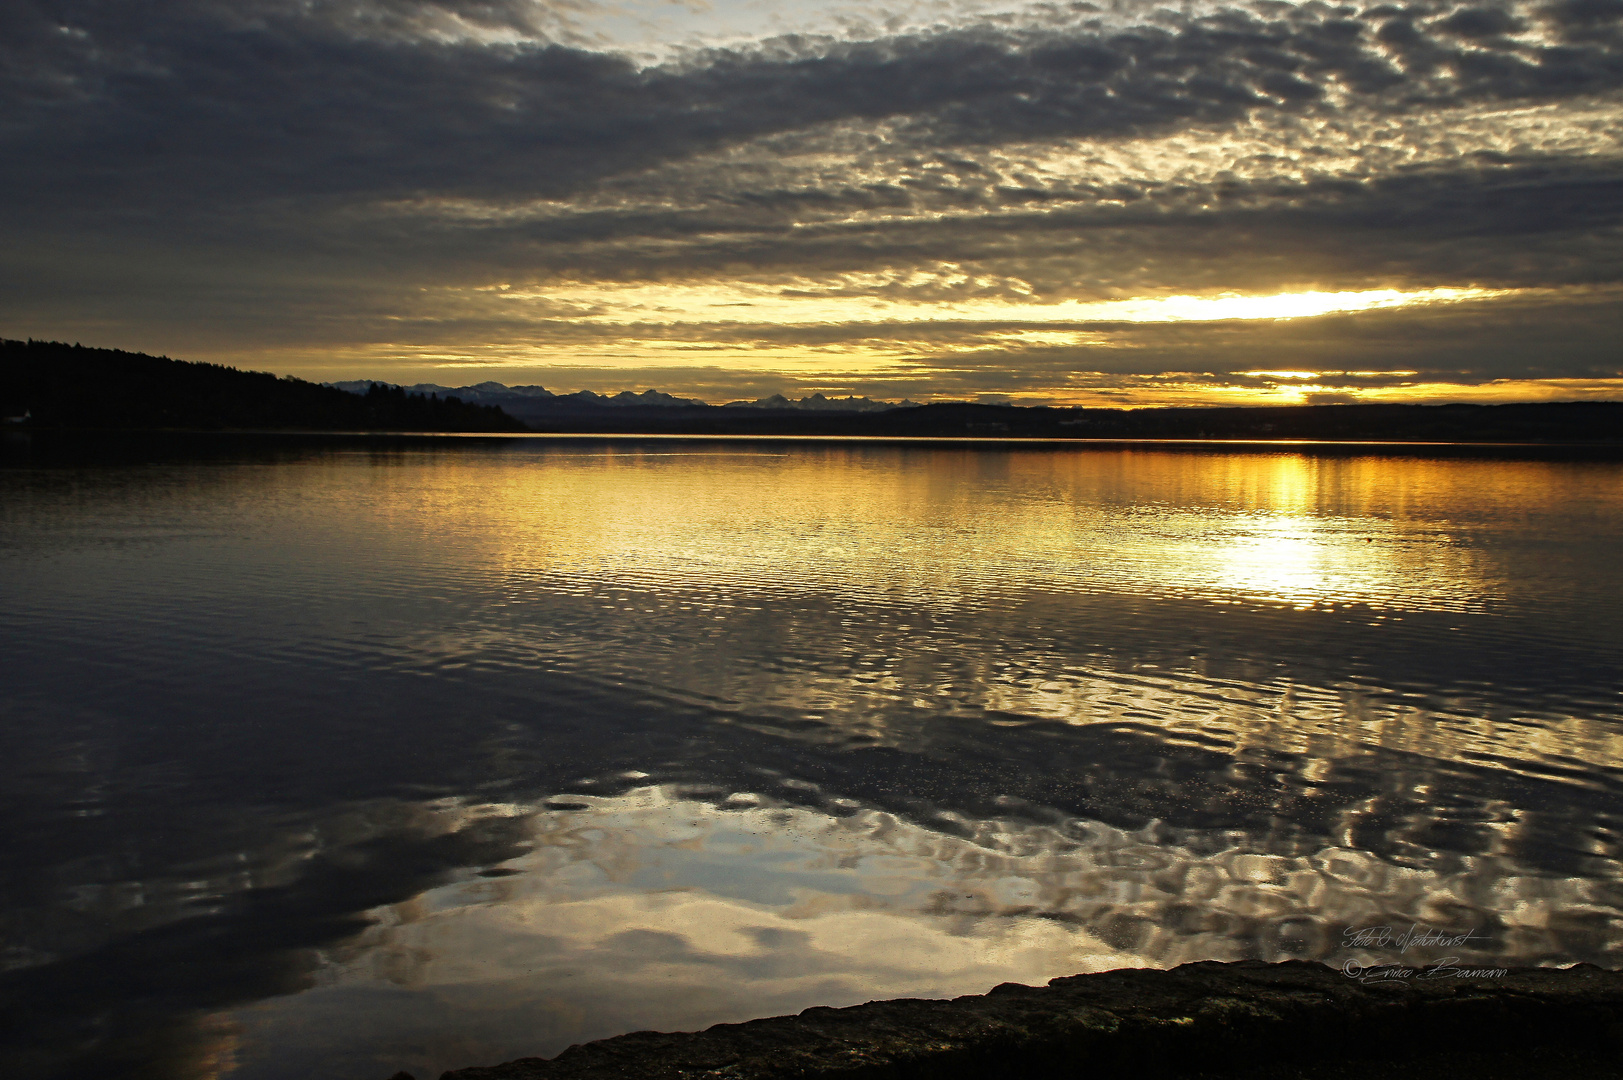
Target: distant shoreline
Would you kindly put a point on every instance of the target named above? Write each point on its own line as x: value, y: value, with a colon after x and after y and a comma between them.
x: 90, y: 444
x: 53, y: 386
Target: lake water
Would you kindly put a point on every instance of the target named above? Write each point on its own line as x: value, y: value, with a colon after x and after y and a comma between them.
x: 328, y: 758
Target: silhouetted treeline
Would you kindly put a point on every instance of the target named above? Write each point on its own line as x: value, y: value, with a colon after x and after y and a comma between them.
x: 1576, y: 422
x: 58, y: 385
x: 1532, y: 422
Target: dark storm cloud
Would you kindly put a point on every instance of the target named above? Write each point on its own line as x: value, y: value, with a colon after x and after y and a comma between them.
x: 177, y: 101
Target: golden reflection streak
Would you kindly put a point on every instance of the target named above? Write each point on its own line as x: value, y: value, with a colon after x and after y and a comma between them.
x: 1009, y: 539
x: 1284, y: 528
x: 1316, y: 722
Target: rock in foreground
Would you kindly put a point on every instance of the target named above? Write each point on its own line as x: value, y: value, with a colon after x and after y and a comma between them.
x: 1294, y: 1019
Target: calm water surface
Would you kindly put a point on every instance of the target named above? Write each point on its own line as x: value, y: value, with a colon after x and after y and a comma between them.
x: 328, y: 759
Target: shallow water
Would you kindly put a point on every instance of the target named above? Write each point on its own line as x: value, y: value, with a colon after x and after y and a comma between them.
x: 332, y: 758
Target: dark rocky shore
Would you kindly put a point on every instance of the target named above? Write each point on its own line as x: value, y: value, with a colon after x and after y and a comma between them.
x: 1268, y: 1021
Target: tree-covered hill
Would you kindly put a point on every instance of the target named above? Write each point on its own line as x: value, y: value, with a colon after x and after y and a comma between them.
x: 69, y: 386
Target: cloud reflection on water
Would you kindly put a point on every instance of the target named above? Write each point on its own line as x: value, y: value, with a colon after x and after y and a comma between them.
x: 654, y: 909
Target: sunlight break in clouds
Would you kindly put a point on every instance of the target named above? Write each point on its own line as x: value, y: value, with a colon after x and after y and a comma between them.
x: 739, y: 303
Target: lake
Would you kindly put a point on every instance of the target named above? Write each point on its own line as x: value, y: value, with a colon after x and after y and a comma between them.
x: 328, y: 757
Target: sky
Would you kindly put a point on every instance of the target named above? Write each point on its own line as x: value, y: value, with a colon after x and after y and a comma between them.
x: 1121, y: 203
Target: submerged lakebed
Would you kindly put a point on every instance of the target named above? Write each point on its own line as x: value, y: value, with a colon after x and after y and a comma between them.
x: 332, y: 757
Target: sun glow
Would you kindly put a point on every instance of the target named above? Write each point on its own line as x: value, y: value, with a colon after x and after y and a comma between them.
x: 917, y: 335
x: 1328, y: 374
x: 847, y: 302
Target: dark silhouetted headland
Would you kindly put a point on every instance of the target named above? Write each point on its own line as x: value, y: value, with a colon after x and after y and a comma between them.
x: 46, y: 384
x: 1551, y: 422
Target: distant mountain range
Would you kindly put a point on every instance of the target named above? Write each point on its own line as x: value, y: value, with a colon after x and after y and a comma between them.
x: 819, y: 403
x: 532, y: 403
x: 501, y: 395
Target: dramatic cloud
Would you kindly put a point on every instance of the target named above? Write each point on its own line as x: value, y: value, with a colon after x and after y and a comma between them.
x: 382, y: 188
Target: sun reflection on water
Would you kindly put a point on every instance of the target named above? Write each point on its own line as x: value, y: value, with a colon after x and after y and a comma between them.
x: 1287, y: 528
x: 701, y: 569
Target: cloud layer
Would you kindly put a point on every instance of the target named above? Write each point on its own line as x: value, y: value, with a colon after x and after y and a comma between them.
x: 321, y: 185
